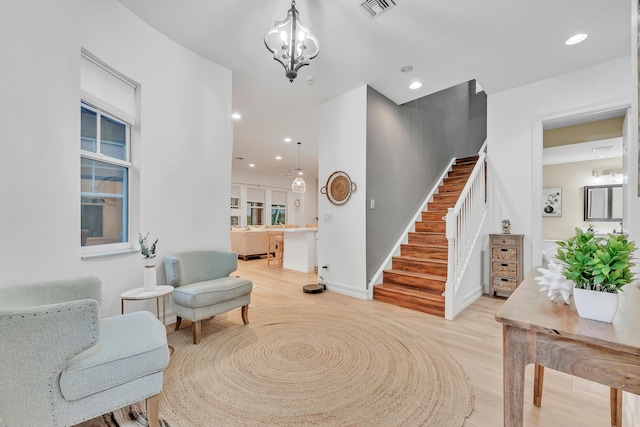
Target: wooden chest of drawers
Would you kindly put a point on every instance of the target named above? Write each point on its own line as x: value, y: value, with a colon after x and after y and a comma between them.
x: 505, y: 251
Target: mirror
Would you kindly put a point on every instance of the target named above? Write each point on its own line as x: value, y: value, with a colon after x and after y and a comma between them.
x: 603, y: 203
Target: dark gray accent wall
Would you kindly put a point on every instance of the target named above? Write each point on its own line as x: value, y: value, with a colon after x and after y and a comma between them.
x: 408, y: 148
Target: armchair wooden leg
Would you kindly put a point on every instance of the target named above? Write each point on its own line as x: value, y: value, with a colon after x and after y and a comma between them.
x: 615, y: 395
x: 152, y: 411
x: 538, y: 380
x: 245, y: 314
x: 196, y: 329
x: 178, y: 321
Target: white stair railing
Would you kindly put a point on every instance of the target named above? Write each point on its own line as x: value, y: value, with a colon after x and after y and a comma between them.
x: 463, y: 226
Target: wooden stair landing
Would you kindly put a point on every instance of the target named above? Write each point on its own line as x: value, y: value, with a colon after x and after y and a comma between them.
x: 418, y: 275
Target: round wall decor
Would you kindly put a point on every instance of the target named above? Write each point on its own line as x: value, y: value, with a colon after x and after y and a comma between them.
x: 339, y: 188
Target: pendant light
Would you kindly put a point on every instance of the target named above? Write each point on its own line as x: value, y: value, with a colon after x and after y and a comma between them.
x: 291, y: 43
x: 298, y: 185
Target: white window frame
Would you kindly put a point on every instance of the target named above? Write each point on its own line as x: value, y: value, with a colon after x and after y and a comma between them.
x: 278, y: 206
x: 251, y: 205
x: 98, y: 156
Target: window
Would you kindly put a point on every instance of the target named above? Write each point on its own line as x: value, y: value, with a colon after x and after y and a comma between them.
x: 254, y: 213
x: 255, y: 206
x: 104, y: 177
x: 278, y: 213
x: 278, y: 207
x: 235, y: 206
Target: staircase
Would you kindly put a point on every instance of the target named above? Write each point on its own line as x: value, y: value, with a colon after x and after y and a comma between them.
x: 418, y: 275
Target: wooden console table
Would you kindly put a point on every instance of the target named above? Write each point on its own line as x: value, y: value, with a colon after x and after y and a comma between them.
x: 535, y: 330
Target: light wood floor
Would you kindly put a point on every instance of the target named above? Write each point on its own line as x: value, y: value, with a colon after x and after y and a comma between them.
x: 474, y: 338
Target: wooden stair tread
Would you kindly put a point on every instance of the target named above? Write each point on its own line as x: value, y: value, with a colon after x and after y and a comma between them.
x: 412, y: 292
x: 420, y: 259
x: 422, y: 245
x: 467, y: 159
x: 425, y: 276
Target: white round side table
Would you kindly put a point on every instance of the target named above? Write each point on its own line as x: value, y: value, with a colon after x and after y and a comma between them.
x: 141, y: 294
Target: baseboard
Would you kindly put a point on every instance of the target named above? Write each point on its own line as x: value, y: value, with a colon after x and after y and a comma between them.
x: 345, y: 290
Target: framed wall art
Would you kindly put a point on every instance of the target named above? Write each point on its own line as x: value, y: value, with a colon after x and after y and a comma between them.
x: 552, y: 201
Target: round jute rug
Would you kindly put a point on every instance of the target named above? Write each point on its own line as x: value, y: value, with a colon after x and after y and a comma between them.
x: 308, y: 365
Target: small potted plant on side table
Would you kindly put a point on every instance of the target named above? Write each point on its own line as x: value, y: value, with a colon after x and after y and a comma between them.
x: 148, y: 254
x: 599, y: 267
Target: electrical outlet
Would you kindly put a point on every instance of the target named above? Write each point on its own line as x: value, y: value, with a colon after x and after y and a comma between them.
x: 372, y: 205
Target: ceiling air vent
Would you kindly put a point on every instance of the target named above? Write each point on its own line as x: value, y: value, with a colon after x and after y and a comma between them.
x: 375, y: 8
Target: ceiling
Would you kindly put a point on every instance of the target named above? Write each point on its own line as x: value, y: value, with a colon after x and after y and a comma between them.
x: 582, y: 152
x: 501, y: 43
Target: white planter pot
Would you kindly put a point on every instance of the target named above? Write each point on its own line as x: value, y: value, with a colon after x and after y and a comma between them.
x: 601, y: 306
x: 149, y: 274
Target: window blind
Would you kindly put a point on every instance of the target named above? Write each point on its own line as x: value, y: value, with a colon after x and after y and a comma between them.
x: 107, y: 89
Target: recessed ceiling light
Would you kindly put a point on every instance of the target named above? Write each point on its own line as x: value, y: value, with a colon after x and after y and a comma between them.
x: 415, y: 85
x: 576, y: 39
x: 278, y: 157
x: 406, y: 68
x: 300, y: 173
x: 287, y: 140
x: 236, y: 116
x: 251, y: 165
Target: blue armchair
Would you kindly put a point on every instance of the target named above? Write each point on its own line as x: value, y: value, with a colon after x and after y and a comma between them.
x: 203, y: 287
x: 60, y: 364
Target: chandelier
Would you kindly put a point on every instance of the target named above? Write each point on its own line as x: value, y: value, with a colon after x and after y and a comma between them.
x: 298, y: 185
x: 291, y: 43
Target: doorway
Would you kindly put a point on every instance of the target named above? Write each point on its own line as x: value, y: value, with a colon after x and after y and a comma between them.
x: 562, y: 120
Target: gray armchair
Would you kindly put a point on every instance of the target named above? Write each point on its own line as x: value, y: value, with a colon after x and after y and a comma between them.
x: 60, y: 364
x: 203, y: 287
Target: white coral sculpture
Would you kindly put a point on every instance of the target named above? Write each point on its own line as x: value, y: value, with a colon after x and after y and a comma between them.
x: 552, y: 280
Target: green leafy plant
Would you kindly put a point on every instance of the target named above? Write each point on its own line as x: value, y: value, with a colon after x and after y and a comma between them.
x: 146, y: 250
x: 597, y: 263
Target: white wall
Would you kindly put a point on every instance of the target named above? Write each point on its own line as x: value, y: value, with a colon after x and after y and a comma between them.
x: 342, y: 143
x: 631, y: 402
x: 182, y: 160
x: 514, y: 140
